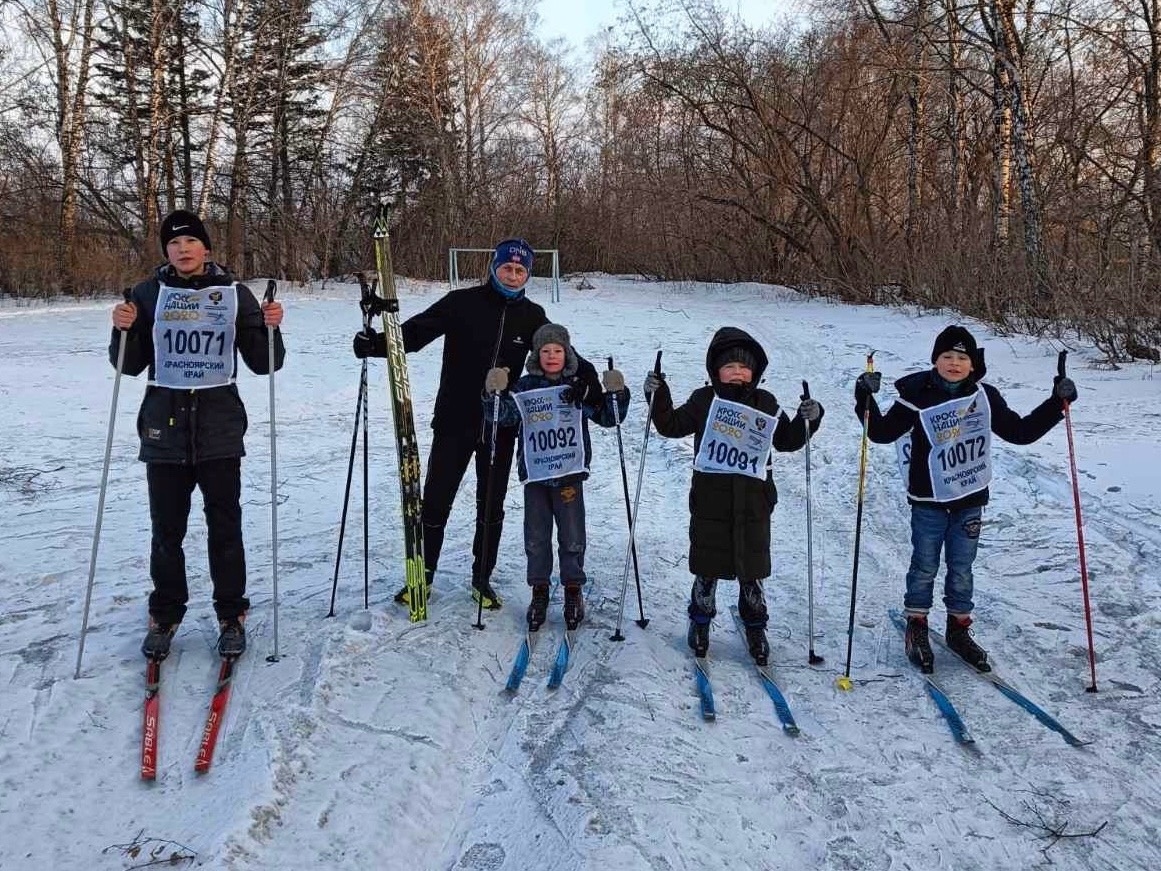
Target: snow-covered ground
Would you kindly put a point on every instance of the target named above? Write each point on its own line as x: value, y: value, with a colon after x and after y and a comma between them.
x: 396, y: 747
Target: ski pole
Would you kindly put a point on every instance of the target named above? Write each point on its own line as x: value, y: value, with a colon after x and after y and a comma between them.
x: 844, y: 681
x: 271, y: 287
x: 642, y: 621
x: 813, y: 658
x: 617, y: 636
x: 360, y: 408
x: 479, y: 624
x: 121, y: 340
x: 1092, y: 688
x: 347, y: 489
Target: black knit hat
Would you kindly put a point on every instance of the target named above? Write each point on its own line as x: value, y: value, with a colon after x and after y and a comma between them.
x: 183, y: 223
x: 736, y: 354
x: 954, y: 338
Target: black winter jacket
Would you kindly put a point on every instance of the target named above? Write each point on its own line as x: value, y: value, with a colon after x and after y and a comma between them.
x: 729, y: 515
x: 188, y: 426
x: 481, y: 329
x: 921, y: 390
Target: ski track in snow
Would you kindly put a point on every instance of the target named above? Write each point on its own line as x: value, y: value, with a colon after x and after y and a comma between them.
x: 397, y: 747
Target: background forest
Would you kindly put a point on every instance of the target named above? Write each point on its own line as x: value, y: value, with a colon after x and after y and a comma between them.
x: 999, y: 157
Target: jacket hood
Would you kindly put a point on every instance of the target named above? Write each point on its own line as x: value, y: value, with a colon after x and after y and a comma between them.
x: 733, y: 337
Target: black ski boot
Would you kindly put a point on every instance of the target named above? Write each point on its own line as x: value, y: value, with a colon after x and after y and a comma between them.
x: 483, y: 593
x: 698, y: 638
x: 917, y: 644
x: 232, y: 640
x: 157, y: 640
x: 960, y: 641
x: 759, y: 646
x: 574, y: 605
x: 538, y: 608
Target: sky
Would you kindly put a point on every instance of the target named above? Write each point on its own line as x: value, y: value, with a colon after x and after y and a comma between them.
x: 375, y: 743
x: 580, y: 19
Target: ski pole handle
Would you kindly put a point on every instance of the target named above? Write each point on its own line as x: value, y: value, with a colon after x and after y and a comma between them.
x: 610, y: 362
x: 805, y: 390
x: 871, y: 362
x: 271, y: 287
x: 657, y: 364
x: 1060, y: 363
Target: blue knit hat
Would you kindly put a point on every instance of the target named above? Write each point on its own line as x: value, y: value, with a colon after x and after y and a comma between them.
x: 513, y: 251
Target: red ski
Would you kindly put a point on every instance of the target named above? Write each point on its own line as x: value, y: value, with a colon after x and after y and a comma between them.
x: 152, y: 717
x: 216, y: 716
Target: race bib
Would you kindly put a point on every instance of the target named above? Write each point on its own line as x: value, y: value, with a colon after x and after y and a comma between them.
x: 737, y: 440
x: 960, y: 432
x: 193, y: 337
x: 903, y: 456
x: 552, y: 437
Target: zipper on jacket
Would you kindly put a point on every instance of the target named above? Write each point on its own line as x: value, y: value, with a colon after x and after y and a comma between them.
x: 193, y: 427
x: 495, y: 360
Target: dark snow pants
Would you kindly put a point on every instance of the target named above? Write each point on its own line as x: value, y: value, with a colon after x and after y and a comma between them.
x: 170, y: 490
x: 446, y: 465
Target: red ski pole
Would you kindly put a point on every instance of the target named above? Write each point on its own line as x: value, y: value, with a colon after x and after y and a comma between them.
x: 1079, y: 530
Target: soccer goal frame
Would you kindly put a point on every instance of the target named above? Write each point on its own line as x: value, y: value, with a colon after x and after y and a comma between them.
x: 453, y: 266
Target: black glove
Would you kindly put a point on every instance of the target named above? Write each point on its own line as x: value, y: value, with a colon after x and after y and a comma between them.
x: 572, y: 395
x: 369, y: 343
x: 866, y: 384
x: 1064, y: 389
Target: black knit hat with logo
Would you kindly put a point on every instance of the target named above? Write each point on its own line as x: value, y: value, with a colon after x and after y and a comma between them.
x: 954, y: 338
x: 183, y: 223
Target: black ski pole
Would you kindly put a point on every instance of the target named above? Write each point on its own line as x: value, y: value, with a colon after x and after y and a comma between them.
x: 617, y: 636
x: 642, y: 621
x: 271, y: 287
x: 483, y: 558
x: 844, y: 681
x: 360, y: 409
x: 121, y: 340
x: 813, y: 658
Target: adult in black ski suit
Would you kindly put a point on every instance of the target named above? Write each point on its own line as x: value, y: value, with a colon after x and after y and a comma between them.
x: 483, y: 327
x: 193, y: 438
x: 729, y: 514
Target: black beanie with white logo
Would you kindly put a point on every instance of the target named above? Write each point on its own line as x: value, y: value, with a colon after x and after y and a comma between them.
x: 954, y: 338
x: 183, y: 223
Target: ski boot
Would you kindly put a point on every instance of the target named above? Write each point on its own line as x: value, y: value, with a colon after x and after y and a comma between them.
x: 574, y: 606
x: 698, y: 638
x: 157, y: 640
x: 758, y: 645
x: 917, y: 644
x: 232, y: 640
x: 960, y: 641
x: 403, y: 597
x: 538, y: 608
x: 483, y: 593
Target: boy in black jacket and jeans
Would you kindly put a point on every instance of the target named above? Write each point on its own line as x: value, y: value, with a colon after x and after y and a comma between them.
x: 186, y: 324
x: 949, y: 414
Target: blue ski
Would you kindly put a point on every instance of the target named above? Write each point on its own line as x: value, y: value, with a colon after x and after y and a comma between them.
x: 520, y: 664
x: 1016, y: 696
x: 954, y: 721
x: 561, y: 665
x: 781, y: 706
x: 704, y: 690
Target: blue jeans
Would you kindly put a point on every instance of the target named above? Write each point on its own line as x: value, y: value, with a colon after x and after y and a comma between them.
x: 933, y: 528
x: 566, y: 505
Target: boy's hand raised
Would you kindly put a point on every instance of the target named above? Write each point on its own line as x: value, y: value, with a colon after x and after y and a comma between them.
x: 1064, y: 388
